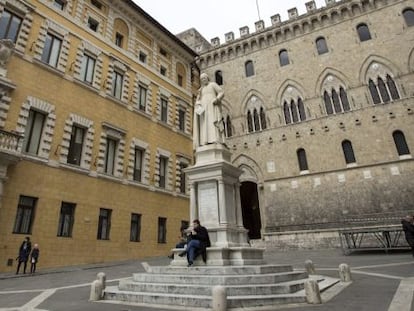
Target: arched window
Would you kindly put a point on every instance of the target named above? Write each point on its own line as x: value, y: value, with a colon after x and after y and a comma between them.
x: 294, y: 112
x: 256, y: 120
x: 400, y: 143
x: 219, y: 77
x: 363, y: 32
x: 303, y: 163
x: 249, y: 121
x: 392, y: 88
x: 374, y: 92
x: 286, y: 112
x: 227, y: 127
x: 348, y: 152
x: 383, y: 91
x: 301, y: 107
x: 328, y: 103
x: 321, y: 45
x: 344, y: 99
x: 336, y: 101
x: 263, y: 118
x: 283, y: 58
x: 409, y: 17
x: 249, y: 68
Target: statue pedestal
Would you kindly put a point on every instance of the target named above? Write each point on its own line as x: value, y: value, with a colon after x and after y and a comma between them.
x: 215, y: 201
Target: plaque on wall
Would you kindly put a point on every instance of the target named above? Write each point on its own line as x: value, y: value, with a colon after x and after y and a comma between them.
x: 208, y: 202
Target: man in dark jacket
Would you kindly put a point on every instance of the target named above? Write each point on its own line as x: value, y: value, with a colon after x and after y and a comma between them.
x: 199, y: 241
x: 408, y: 227
x: 24, y: 252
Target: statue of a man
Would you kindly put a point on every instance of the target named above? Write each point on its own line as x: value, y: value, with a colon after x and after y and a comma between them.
x: 208, y: 117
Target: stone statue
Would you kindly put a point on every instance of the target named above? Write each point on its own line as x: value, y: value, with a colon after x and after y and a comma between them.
x: 6, y: 50
x: 208, y: 118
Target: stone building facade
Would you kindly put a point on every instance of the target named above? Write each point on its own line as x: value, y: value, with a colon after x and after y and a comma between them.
x: 319, y: 114
x: 95, y: 131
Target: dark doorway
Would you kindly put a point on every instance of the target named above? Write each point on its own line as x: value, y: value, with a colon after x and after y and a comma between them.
x: 250, y: 209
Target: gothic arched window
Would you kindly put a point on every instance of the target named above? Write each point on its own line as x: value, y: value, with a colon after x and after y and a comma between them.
x: 283, y: 58
x: 348, y: 152
x: 321, y: 45
x: 219, y: 77
x: 302, y: 161
x: 249, y: 68
x: 363, y: 32
x: 400, y: 143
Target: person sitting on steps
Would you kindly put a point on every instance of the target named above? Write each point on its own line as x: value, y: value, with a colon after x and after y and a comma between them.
x: 199, y: 241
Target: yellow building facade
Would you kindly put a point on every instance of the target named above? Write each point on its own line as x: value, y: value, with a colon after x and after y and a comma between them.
x: 96, y: 106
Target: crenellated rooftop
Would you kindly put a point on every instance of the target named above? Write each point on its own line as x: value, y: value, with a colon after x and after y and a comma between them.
x: 279, y: 31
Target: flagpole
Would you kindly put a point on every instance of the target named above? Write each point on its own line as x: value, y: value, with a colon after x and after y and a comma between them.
x: 257, y: 6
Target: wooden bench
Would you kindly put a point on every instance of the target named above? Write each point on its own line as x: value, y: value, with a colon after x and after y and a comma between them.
x: 379, y: 231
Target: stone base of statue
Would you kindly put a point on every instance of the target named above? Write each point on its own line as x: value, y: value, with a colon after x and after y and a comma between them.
x: 234, y: 275
x: 215, y: 201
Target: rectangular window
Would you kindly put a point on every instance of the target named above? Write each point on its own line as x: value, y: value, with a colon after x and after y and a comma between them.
x: 51, y: 50
x: 135, y: 235
x: 93, y: 24
x: 163, y: 171
x: 164, y: 110
x: 33, y: 132
x: 9, y: 26
x: 119, y: 39
x: 180, y: 80
x: 76, y: 145
x: 183, y: 185
x: 163, y: 70
x: 138, y: 164
x: 104, y: 224
x: 162, y: 230
x: 142, y: 98
x: 181, y: 120
x: 66, y: 219
x: 96, y: 4
x: 60, y: 4
x: 110, y: 155
x: 117, y: 83
x: 142, y: 57
x: 163, y: 52
x: 88, y: 68
x: 25, y: 215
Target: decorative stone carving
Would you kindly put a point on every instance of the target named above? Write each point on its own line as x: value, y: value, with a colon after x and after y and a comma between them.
x: 6, y: 50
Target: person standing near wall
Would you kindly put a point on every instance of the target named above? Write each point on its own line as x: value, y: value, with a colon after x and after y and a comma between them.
x: 34, y: 258
x: 24, y: 252
x: 408, y: 227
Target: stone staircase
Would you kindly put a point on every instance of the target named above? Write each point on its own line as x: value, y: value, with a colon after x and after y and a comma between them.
x: 246, y: 286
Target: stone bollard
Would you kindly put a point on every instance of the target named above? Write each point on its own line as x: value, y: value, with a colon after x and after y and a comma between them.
x: 309, y: 266
x: 313, y: 294
x: 219, y: 298
x: 96, y: 291
x: 344, y: 273
x: 102, y: 277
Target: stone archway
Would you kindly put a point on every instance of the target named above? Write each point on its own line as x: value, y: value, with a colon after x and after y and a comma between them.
x: 250, y: 209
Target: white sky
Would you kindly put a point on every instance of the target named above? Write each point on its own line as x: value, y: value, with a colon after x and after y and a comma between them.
x: 214, y: 18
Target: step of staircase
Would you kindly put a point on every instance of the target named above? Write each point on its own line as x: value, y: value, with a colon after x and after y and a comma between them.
x: 205, y: 290
x: 246, y: 286
x: 221, y: 279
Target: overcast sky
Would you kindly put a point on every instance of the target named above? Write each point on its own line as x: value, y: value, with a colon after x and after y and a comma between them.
x: 214, y: 18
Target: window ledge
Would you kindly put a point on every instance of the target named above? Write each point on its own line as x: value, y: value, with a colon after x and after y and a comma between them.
x: 305, y: 172
x: 351, y: 165
x: 405, y: 156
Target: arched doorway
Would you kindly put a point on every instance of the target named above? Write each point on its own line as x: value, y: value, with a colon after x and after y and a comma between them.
x: 250, y: 209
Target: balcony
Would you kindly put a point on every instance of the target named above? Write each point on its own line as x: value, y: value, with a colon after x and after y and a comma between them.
x: 10, y: 148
